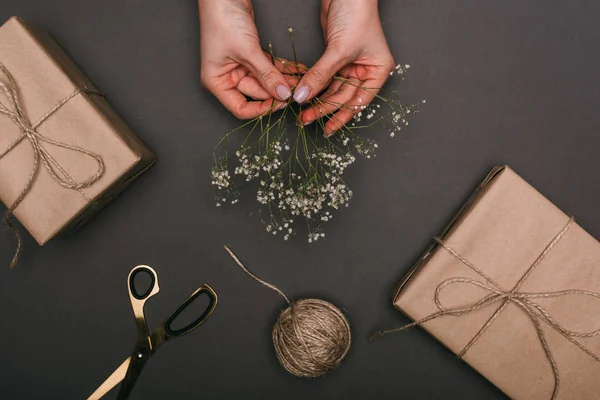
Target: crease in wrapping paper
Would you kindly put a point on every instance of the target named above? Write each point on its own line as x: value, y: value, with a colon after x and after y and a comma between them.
x: 45, y: 75
x: 502, y: 229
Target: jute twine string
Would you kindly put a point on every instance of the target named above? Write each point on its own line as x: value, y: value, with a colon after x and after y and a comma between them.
x: 13, y: 110
x: 311, y: 336
x: 523, y: 300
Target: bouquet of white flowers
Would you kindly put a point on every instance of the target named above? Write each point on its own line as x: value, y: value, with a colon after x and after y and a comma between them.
x: 300, y: 170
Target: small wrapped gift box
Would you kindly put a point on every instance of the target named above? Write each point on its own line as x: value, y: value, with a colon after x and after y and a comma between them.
x: 512, y: 287
x: 64, y: 152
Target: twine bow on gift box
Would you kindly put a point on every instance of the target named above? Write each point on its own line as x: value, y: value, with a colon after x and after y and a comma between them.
x: 13, y: 110
x: 523, y: 300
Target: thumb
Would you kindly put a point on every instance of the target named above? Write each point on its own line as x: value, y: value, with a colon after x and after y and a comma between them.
x: 269, y: 77
x: 317, y: 77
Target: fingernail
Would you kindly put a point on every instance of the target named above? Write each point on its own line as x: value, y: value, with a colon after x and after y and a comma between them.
x: 306, y: 123
x: 301, y: 94
x: 283, y: 92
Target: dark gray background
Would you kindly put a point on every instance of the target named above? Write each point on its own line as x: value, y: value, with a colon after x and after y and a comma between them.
x: 506, y: 81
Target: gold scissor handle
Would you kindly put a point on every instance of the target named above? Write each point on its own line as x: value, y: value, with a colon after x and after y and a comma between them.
x: 138, y: 300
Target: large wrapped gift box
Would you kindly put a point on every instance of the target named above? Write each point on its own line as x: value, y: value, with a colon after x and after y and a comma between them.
x: 511, y: 286
x: 64, y: 152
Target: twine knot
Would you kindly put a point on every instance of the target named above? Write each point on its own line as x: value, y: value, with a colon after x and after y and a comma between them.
x: 12, y: 109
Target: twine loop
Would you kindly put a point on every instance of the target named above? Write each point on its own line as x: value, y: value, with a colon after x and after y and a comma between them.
x: 524, y: 300
x: 13, y: 110
x: 520, y: 299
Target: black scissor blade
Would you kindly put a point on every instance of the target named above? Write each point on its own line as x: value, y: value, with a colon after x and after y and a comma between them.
x: 138, y: 361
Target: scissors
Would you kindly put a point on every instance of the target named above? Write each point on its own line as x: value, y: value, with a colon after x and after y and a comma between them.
x: 147, y: 343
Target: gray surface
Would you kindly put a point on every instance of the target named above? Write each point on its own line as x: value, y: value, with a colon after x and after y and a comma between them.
x: 506, y: 81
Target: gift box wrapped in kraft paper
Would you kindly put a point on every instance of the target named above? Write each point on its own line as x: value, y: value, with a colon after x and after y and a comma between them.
x: 512, y: 286
x: 64, y: 153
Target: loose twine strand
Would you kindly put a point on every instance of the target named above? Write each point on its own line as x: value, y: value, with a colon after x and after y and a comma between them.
x: 534, y: 311
x: 14, y: 111
x: 256, y: 278
x: 310, y: 337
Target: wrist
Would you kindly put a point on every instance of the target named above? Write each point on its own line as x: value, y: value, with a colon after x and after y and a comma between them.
x: 327, y: 3
x: 209, y: 3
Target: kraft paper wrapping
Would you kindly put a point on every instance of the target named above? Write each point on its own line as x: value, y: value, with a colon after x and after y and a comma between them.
x: 45, y: 75
x: 502, y: 229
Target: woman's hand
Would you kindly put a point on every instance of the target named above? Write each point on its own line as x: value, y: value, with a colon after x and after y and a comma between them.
x: 357, y: 52
x: 233, y: 65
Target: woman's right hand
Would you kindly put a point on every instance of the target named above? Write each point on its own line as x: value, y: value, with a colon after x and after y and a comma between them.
x: 357, y: 52
x: 233, y: 66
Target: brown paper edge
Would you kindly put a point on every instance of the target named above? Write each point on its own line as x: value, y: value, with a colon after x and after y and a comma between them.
x: 86, y: 214
x: 491, y: 176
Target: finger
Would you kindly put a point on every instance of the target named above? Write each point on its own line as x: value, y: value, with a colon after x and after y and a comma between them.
x: 267, y: 74
x: 291, y: 80
x: 328, y: 104
x: 318, y: 77
x: 239, y: 106
x: 334, y: 87
x: 361, y: 99
x: 289, y: 67
x: 250, y: 87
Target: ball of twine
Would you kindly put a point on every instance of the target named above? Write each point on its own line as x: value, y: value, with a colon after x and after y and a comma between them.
x: 311, y: 337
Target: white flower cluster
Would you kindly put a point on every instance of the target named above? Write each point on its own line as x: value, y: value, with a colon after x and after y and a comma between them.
x: 285, y: 228
x: 339, y: 194
x: 358, y: 116
x: 225, y: 192
x: 365, y: 147
x: 251, y: 167
x: 298, y: 198
x: 314, y: 236
x: 399, y: 120
x: 306, y: 201
x: 220, y: 178
x: 337, y: 163
x: 268, y: 193
x: 367, y: 112
x: 400, y: 69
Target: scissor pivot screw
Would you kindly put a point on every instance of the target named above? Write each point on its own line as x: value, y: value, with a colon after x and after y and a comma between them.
x: 140, y: 355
